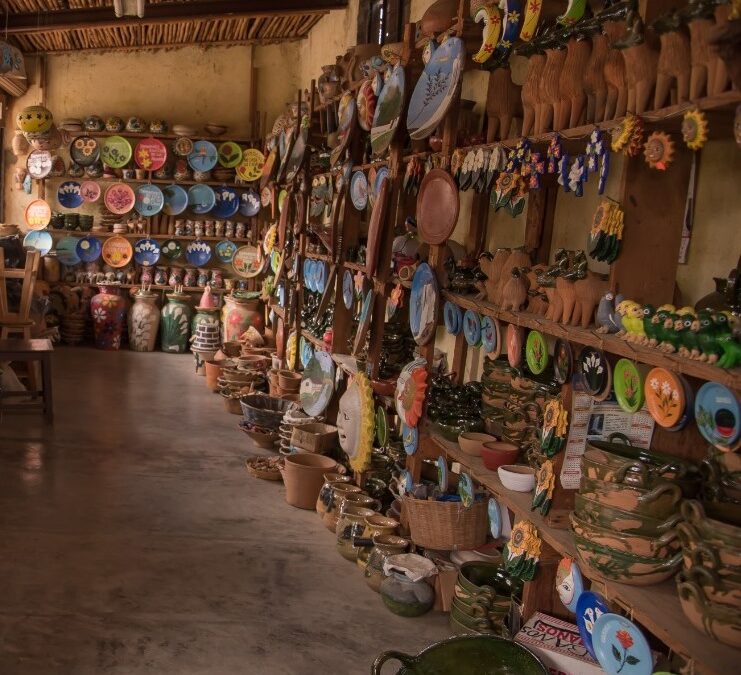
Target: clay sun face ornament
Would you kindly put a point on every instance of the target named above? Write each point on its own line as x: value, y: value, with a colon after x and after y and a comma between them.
x: 356, y: 422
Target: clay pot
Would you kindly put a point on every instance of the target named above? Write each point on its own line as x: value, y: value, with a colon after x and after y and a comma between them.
x: 213, y: 372
x: 325, y: 494
x: 108, y: 309
x: 375, y: 525
x: 350, y: 525
x: 289, y: 380
x: 144, y: 321
x: 205, y: 330
x: 384, y: 545
x: 333, y: 503
x: 405, y: 597
x: 658, y: 502
x: 720, y: 622
x: 239, y: 314
x: 498, y: 454
x: 175, y: 323
x: 636, y: 544
x: 303, y: 475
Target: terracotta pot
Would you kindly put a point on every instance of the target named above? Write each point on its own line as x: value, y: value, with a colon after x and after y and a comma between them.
x: 238, y: 315
x: 325, y: 494
x: 108, y: 309
x: 205, y: 330
x: 303, y: 476
x: 350, y: 524
x: 289, y: 380
x: 213, y: 372
x: 374, y: 525
x: 384, y: 545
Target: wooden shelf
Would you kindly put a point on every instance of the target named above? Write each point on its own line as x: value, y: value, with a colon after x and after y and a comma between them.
x: 128, y: 235
x: 608, y: 343
x: 321, y: 344
x: 355, y: 266
x: 319, y: 256
x: 165, y: 137
x: 655, y: 607
x: 189, y: 289
x: 156, y: 181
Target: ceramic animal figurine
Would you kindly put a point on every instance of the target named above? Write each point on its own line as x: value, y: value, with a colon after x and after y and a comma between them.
x: 530, y: 91
x: 491, y: 266
x: 707, y: 337
x: 674, y: 60
x: 613, y: 26
x: 516, y: 258
x: 641, y: 61
x: 725, y: 41
x: 571, y: 80
x: 595, y: 86
x: 537, y: 299
x: 514, y: 293
x: 729, y: 344
x: 548, y: 89
x: 607, y: 317
x: 565, y: 290
x: 700, y: 21
x: 588, y: 292
x: 503, y: 102
x: 649, y: 327
x: 682, y: 325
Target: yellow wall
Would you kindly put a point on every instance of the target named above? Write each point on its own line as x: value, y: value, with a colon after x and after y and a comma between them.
x: 278, y: 77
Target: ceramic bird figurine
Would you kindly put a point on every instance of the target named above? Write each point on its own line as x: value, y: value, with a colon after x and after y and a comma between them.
x: 708, y: 338
x: 621, y: 310
x: 649, y: 327
x: 658, y: 320
x: 692, y: 341
x: 633, y: 321
x: 669, y: 338
x: 681, y: 329
x: 731, y: 351
x: 607, y: 317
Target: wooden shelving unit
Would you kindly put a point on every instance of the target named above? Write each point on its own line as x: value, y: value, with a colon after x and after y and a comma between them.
x: 137, y: 236
x: 154, y: 181
x: 189, y: 289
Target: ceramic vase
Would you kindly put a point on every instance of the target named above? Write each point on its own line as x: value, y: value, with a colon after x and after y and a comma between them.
x: 405, y: 597
x: 205, y: 330
x: 175, y: 323
x: 239, y: 314
x: 108, y: 309
x: 160, y: 276
x: 144, y: 321
x: 384, y: 545
x: 350, y: 525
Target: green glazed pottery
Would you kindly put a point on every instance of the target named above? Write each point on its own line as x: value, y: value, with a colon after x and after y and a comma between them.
x: 716, y: 590
x: 668, y: 466
x: 628, y: 385
x: 720, y: 622
x: 461, y: 629
x: 477, y: 623
x: 489, y: 579
x: 635, y: 544
x: 723, y: 554
x: 658, y: 502
x: 622, y: 521
x: 536, y: 352
x: 715, y: 521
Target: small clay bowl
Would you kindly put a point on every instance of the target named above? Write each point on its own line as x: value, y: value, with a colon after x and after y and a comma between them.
x: 498, y: 453
x: 472, y: 442
x: 517, y: 477
x: 289, y: 380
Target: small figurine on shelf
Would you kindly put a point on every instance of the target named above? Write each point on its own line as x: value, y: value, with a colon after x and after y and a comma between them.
x: 608, y: 319
x: 217, y: 279
x: 179, y: 228
x: 240, y: 230
x: 219, y: 228
x: 229, y: 229
x: 160, y: 276
x: 209, y: 228
x: 176, y: 277
x: 190, y: 278
x: 203, y: 275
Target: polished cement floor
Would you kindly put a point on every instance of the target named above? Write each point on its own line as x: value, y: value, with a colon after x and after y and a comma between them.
x: 133, y: 541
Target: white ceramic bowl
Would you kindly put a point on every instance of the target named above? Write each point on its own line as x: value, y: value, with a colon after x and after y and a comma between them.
x: 517, y: 477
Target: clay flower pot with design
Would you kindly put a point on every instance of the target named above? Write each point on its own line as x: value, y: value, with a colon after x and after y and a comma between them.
x: 108, y: 309
x: 175, y: 321
x: 325, y: 494
x: 144, y: 321
x: 238, y: 314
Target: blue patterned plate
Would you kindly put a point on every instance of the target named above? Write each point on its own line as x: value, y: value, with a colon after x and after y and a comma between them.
x: 423, y: 304
x: 176, y: 200
x: 146, y: 252
x: 321, y: 274
x: 488, y: 334
x: 225, y: 250
x: 227, y: 202
x: 198, y: 253
x: 201, y: 198
x: 89, y: 249
x: 453, y: 318
x: 41, y: 240
x: 69, y: 195
x: 620, y: 646
x: 589, y: 607
x: 203, y: 157
x: 410, y: 438
x: 172, y: 249
x: 472, y: 327
x: 149, y: 200
x: 307, y: 272
x: 249, y: 204
x: 495, y: 518
x: 67, y: 251
x: 348, y: 289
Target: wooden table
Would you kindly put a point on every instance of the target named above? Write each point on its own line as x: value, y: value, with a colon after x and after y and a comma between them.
x: 29, y: 351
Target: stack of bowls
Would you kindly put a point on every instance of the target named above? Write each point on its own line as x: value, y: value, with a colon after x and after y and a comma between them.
x: 709, y: 584
x: 73, y: 328
x: 293, y: 418
x: 483, y: 599
x: 264, y: 411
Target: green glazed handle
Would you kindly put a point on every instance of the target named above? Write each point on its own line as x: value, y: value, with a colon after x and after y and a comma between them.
x: 688, y: 535
x: 665, y: 539
x: 692, y: 511
x: 619, y: 438
x: 406, y: 660
x: 659, y: 490
x: 701, y: 553
x: 642, y: 471
x: 701, y: 576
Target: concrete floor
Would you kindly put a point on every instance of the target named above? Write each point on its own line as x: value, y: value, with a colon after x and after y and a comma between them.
x: 133, y: 541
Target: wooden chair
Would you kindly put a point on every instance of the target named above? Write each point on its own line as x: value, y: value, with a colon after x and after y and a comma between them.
x: 18, y: 323
x: 30, y: 352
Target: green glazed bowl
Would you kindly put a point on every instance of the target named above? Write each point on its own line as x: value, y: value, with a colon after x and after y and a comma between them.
x: 658, y: 502
x: 715, y: 521
x: 616, y: 519
x: 634, y: 544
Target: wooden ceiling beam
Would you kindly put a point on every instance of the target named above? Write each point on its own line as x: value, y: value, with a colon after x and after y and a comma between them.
x: 103, y: 17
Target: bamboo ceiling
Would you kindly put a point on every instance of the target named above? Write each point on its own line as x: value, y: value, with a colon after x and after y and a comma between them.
x: 158, y: 33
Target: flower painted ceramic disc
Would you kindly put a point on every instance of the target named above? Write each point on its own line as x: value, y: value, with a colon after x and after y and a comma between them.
x: 489, y: 335
x: 317, y: 383
x: 183, y: 146
x: 252, y: 165
x: 536, y: 352
x: 628, y: 386
x: 423, y: 304
x: 67, y: 251
x: 718, y: 415
x: 514, y: 345
x: 569, y: 583
x: 116, y: 152
x: 465, y: 490
x: 665, y: 397
x: 117, y: 251
x: 249, y: 204
x: 348, y: 289
x: 84, y: 151
x: 472, y: 327
x: 563, y: 361
x: 146, y: 252
x: 225, y: 250
x: 230, y: 155
x: 149, y: 200
x: 90, y: 191
x: 176, y: 200
x: 388, y: 111
x: 198, y: 253
x: 41, y: 240
x: 227, y: 202
x: 68, y: 194
x: 453, y: 318
x: 38, y: 214
x: 119, y: 198
x: 620, y: 646
x: 201, y: 198
x: 203, y: 157
x: 172, y: 249
x: 592, y: 367
x: 589, y: 608
x: 410, y: 438
x: 39, y: 163
x: 359, y: 190
x: 150, y: 154
x: 495, y: 518
x: 248, y: 261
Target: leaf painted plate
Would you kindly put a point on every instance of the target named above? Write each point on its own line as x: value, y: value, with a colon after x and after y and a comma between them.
x: 620, y: 646
x: 198, y: 253
x: 203, y: 157
x: 389, y: 108
x: 628, y: 386
x: 117, y: 251
x: 150, y: 154
x: 453, y: 317
x: 536, y: 352
x: 589, y: 608
x: 149, y: 200
x: 227, y: 202
x: 115, y: 152
x: 563, y: 361
x: 225, y: 250
x: 119, y: 198
x: 201, y: 198
x: 41, y: 240
x: 423, y: 304
x: 359, y: 190
x: 38, y: 214
x: 176, y: 200
x: 230, y: 155
x: 665, y: 398
x: 146, y: 252
x: 172, y: 249
x: 84, y: 151
x: 592, y: 368
x: 90, y: 191
x: 248, y: 261
x: 472, y: 327
x: 718, y: 415
x: 489, y: 335
x: 249, y: 204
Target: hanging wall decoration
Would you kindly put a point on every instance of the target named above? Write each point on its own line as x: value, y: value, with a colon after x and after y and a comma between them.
x: 410, y: 391
x: 555, y: 427
x: 388, y: 111
x: 659, y: 150
x: 487, y: 12
x: 695, y: 129
x: 569, y: 583
x: 606, y: 232
x: 356, y: 422
x: 545, y: 482
x: 522, y: 552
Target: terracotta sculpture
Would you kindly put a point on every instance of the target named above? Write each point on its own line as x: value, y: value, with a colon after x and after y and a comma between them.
x: 516, y: 258
x: 503, y: 102
x: 548, y: 90
x: 613, y: 26
x: 571, y: 81
x: 641, y: 61
x: 588, y: 292
x: 595, y: 86
x: 537, y: 299
x: 674, y: 60
x: 514, y: 292
x: 531, y: 93
x: 491, y: 266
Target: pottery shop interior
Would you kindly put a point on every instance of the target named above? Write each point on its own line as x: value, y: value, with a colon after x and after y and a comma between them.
x: 370, y: 336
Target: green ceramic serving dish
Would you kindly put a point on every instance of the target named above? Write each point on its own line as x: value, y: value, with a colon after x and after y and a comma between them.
x: 659, y: 463
x: 622, y: 521
x: 487, y: 578
x: 720, y: 622
x: 715, y: 521
x: 658, y: 502
x: 477, y: 623
x: 634, y: 544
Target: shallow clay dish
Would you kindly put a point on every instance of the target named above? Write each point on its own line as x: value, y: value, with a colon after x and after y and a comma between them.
x: 437, y: 207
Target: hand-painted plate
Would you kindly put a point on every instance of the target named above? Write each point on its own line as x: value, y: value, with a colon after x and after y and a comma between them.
x: 296, y: 158
x: 172, y: 249
x: 146, y: 252
x: 149, y: 200
x: 489, y: 335
x: 442, y: 473
x: 176, y: 200
x: 282, y: 196
x: 249, y: 204
x: 359, y: 190
x: 116, y: 152
x: 718, y: 415
x: 346, y: 116
x: 321, y: 276
x: 589, y: 608
x: 453, y: 318
x: 389, y: 107
x: 117, y: 251
x: 225, y: 250
x: 67, y: 251
x: 39, y: 163
x: 317, y: 383
x: 198, y: 253
x: 119, y: 198
x: 592, y: 368
x: 466, y: 490
x: 68, y: 194
x: 438, y: 205
x: 620, y: 646
x: 203, y: 157
x: 423, y: 304
x: 230, y: 155
x: 563, y: 361
x: 366, y: 104
x: 227, y: 202
x: 514, y: 345
x: 150, y: 154
x: 90, y: 191
x: 536, y: 352
x: 183, y: 146
x: 628, y: 386
x: 41, y: 240
x: 84, y: 151
x: 248, y: 261
x: 410, y: 438
x: 307, y: 351
x: 495, y: 518
x: 252, y: 165
x: 435, y: 88
x: 89, y: 249
x: 38, y: 214
x: 201, y: 198
x: 665, y: 398
x: 348, y: 289
x: 569, y: 583
x: 472, y: 328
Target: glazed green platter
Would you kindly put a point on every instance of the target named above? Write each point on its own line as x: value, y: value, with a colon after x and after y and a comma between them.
x: 628, y: 386
x: 536, y: 352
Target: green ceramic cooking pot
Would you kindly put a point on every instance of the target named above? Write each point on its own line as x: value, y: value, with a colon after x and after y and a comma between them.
x: 658, y: 462
x: 716, y: 590
x: 465, y: 655
x: 478, y: 623
x: 622, y: 521
x: 715, y: 520
x: 652, y: 547
x: 720, y: 622
x: 658, y: 502
x: 723, y: 553
x: 484, y: 578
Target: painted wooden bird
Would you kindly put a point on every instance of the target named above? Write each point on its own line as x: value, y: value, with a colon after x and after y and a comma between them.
x: 670, y: 338
x: 605, y: 316
x: 649, y: 327
x: 682, y: 325
x: 707, y: 337
x: 633, y: 322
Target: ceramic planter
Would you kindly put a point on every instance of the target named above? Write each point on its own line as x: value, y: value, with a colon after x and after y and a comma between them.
x: 715, y: 521
x: 374, y: 525
x: 722, y: 554
x: 621, y: 521
x: 334, y: 502
x: 717, y: 591
x: 108, y: 309
x: 144, y: 321
x: 205, y: 330
x: 175, y: 324
x: 635, y: 544
x: 325, y: 494
x: 667, y: 466
x: 659, y: 502
x: 384, y: 545
x: 238, y: 314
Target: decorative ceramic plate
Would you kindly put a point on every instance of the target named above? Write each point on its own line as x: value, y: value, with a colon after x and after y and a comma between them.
x: 472, y: 328
x: 68, y: 194
x: 275, y: 259
x: 119, y: 198
x: 90, y: 191
x: 628, y: 386
x: 569, y: 583
x: 381, y: 174
x: 317, y: 383
x: 203, y: 157
x: 39, y: 163
x: 589, y: 608
x: 563, y: 361
x: 183, y: 146
x: 176, y: 200
x: 359, y: 190
x: 718, y: 415
x: 438, y: 204
x: 348, y: 289
x: 150, y: 154
x: 248, y: 261
x: 117, y: 251
x: 346, y: 111
x: 172, y: 249
x: 453, y: 317
x: 41, y: 240
x: 536, y: 352
x: 307, y: 351
x: 466, y: 490
x: 252, y: 165
x: 269, y: 167
x: 514, y: 345
x: 227, y: 202
x: 146, y: 252
x: 592, y: 369
x: 198, y: 253
x: 67, y: 251
x: 435, y: 88
x: 375, y: 226
x: 442, y: 473
x: 266, y: 197
x: 201, y: 198
x: 296, y: 158
x: 225, y: 250
x: 38, y: 214
x: 84, y: 151
x: 410, y: 391
x: 495, y: 518
x: 249, y: 204
x: 490, y: 335
x: 410, y: 438
x: 282, y: 196
x: 665, y: 397
x: 423, y: 304
x: 321, y: 276
x: 388, y: 111
x: 230, y: 155
x: 366, y: 104
x: 620, y: 646
x: 149, y: 200
x: 116, y: 152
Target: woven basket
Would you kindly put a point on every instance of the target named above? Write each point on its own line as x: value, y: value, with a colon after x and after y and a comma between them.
x: 446, y: 526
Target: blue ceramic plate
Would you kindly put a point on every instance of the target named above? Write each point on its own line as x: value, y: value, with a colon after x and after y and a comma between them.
x: 367, y: 304
x: 67, y: 251
x: 569, y: 583
x: 201, y: 198
x: 620, y: 646
x: 718, y: 415
x: 172, y: 249
x: 488, y: 334
x: 69, y: 195
x: 198, y: 253
x: 249, y: 204
x: 41, y: 240
x: 321, y: 276
x: 176, y: 200
x: 465, y: 490
x: 348, y: 289
x: 204, y: 156
x: 406, y: 482
x: 307, y: 352
x: 89, y: 249
x: 359, y: 190
x: 495, y: 518
x: 388, y: 111
x: 149, y: 200
x: 382, y: 173
x: 423, y: 304
x: 309, y: 274
x: 453, y: 318
x: 589, y: 607
x: 472, y: 327
x: 146, y: 252
x: 410, y: 438
x: 442, y: 473
x: 227, y: 202
x: 225, y: 250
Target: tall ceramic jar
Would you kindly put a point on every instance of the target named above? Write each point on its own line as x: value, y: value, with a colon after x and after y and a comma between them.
x: 144, y: 321
x: 205, y: 330
x: 108, y: 309
x: 175, y: 323
x: 239, y: 313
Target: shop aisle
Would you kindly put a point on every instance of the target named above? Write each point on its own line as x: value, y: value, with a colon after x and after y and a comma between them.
x: 133, y: 541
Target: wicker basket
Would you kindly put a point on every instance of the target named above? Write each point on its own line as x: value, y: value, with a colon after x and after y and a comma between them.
x: 446, y: 526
